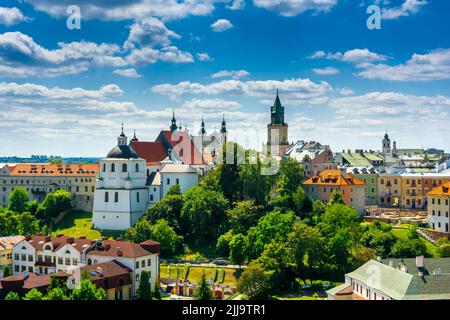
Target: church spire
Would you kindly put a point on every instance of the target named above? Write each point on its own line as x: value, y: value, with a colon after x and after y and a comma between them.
x: 173, y: 126
x: 134, y: 136
x: 122, y: 139
x: 277, y: 111
x: 224, y: 125
x: 203, y: 130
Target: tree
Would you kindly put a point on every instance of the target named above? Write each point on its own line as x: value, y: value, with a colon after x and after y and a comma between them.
x: 292, y: 172
x: 56, y: 202
x: 238, y: 248
x: 88, y: 291
x: 6, y: 271
x: 255, y: 185
x: 211, y: 180
x: 254, y: 282
x: 33, y: 294
x: 174, y: 190
x: 336, y: 197
x: 32, y: 207
x: 12, y: 296
x: 144, y: 291
x: 169, y: 209
x: 444, y: 250
x: 160, y: 231
x: 223, y: 244
x: 243, y: 216
x: 18, y: 200
x: 201, y: 210
x: 337, y: 217
x: 59, y: 294
x: 27, y: 224
x: 409, y: 248
x: 203, y: 291
x: 156, y: 292
x: 230, y: 182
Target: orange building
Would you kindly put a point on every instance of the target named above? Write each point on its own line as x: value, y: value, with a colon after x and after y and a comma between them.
x: 322, y: 186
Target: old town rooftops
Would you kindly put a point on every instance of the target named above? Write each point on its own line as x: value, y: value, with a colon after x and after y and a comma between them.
x: 112, y: 248
x: 53, y: 170
x: 7, y: 243
x: 333, y: 177
x: 443, y: 190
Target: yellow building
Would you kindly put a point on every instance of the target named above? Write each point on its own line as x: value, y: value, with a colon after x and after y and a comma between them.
x: 6, y: 246
x: 389, y: 190
x: 439, y: 208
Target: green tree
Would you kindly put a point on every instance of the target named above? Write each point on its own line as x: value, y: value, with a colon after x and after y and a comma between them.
x: 12, y: 296
x: 33, y: 294
x: 156, y: 292
x: 144, y: 291
x: 88, y: 291
x: 203, y: 291
x: 169, y: 209
x: 6, y: 271
x: 223, y: 244
x: 336, y: 197
x: 56, y: 202
x: 292, y: 172
x: 242, y: 216
x: 18, y: 200
x: 32, y: 207
x: 444, y: 250
x: 409, y: 248
x: 229, y: 179
x: 211, y: 180
x: 27, y: 224
x: 59, y: 294
x: 8, y: 223
x: 174, y: 190
x: 254, y: 282
x: 238, y: 248
x: 140, y: 232
x: 255, y: 185
x: 201, y: 210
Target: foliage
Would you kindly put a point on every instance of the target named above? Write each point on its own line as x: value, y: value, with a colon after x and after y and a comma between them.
x: 144, y: 291
x: 336, y: 198
x: 200, y: 210
x: 12, y: 296
x: 409, y: 248
x: 59, y: 294
x: 55, y: 203
x: 291, y: 171
x: 214, y: 272
x: 18, y: 200
x: 33, y: 294
x: 156, y: 292
x: 203, y: 291
x: 174, y: 190
x: 221, y: 275
x: 254, y: 282
x: 6, y: 271
x: 18, y: 223
x: 186, y: 271
x: 242, y: 216
x: 229, y: 179
x: 168, y: 208
x: 238, y: 248
x: 223, y: 244
x: 255, y: 185
x: 88, y: 291
x: 444, y: 250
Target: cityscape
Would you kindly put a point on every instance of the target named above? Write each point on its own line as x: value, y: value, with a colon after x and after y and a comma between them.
x: 175, y: 160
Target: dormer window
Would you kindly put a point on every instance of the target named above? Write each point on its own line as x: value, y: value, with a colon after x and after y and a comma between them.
x: 48, y: 248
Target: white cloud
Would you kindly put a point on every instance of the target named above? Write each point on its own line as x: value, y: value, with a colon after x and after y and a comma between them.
x: 235, y: 74
x: 127, y: 9
x: 11, y: 16
x: 149, y: 33
x: 221, y: 25
x: 204, y: 57
x: 210, y: 105
x: 145, y: 56
x: 351, y: 56
x: 290, y: 8
x: 326, y: 71
x: 408, y: 8
x: 237, y: 5
x: 421, y: 67
x: 129, y: 73
x: 292, y: 89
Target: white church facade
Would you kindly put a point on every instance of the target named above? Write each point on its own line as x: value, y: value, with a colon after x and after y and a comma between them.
x: 126, y: 186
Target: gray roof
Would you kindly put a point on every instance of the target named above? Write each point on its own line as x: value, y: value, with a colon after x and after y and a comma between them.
x: 122, y: 152
x: 178, y: 168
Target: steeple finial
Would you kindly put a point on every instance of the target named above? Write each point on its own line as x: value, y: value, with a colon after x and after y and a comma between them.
x: 173, y: 126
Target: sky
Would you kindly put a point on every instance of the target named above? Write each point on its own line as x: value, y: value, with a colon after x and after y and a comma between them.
x: 66, y: 88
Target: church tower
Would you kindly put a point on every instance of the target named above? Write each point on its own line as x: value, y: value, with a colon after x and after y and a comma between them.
x: 223, y: 131
x: 173, y: 126
x: 386, y: 143
x: 277, y: 127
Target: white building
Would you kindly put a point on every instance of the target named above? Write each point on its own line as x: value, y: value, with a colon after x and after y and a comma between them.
x: 128, y: 184
x: 121, y: 195
x: 47, y: 255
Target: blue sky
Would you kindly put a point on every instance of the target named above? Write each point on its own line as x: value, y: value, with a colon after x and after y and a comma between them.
x: 66, y: 92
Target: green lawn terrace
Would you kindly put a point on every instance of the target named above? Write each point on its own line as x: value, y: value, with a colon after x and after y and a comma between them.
x: 78, y: 223
x: 220, y: 275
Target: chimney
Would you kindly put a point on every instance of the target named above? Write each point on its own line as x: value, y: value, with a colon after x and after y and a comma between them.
x: 70, y: 240
x: 47, y: 239
x: 82, y: 237
x: 107, y: 246
x: 60, y: 235
x: 104, y: 238
x: 27, y: 238
x: 119, y: 252
x: 420, y: 262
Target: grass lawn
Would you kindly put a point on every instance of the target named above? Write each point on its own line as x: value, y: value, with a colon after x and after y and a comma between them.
x: 79, y: 223
x: 402, y: 233
x: 195, y: 273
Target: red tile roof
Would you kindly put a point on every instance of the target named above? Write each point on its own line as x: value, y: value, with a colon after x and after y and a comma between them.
x: 112, y: 248
x: 38, y: 242
x: 53, y: 170
x: 333, y: 177
x: 109, y: 274
x: 190, y: 156
x: 152, y: 152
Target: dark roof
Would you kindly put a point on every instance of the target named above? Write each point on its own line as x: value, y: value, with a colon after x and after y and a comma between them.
x: 109, y: 274
x: 122, y: 152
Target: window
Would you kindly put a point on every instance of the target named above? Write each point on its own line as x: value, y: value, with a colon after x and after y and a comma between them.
x: 116, y: 197
x: 30, y: 258
x: 149, y: 262
x: 137, y: 197
x: 60, y: 260
x: 137, y: 264
x: 113, y: 167
x: 16, y: 268
x: 23, y: 257
x: 143, y: 264
x: 75, y: 261
x: 104, y: 167
x: 67, y: 261
x: 137, y: 167
x: 124, y: 167
x: 168, y: 181
x: 106, y: 196
x: 151, y: 197
x: 48, y: 248
x: 178, y: 181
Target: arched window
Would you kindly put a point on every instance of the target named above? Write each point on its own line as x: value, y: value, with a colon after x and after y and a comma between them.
x: 124, y: 167
x: 47, y: 247
x: 106, y: 196
x: 24, y: 248
x: 113, y: 167
x: 137, y: 167
x: 89, y: 261
x: 104, y: 167
x: 116, y: 197
x: 67, y: 251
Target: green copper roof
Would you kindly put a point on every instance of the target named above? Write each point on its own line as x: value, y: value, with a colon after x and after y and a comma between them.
x: 356, y: 159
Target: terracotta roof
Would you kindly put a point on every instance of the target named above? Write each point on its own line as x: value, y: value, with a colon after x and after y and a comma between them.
x: 38, y: 242
x: 334, y: 177
x: 7, y: 243
x: 443, y: 190
x: 53, y: 170
x: 113, y: 248
x: 29, y: 281
x: 191, y: 156
x: 152, y: 152
x: 110, y: 272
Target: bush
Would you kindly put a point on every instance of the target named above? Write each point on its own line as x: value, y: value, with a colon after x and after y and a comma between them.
x: 214, y: 275
x: 221, y: 276
x: 186, y: 271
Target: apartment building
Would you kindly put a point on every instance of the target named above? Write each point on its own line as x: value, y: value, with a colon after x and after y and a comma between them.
x: 439, y: 208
